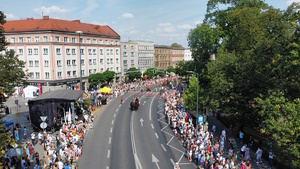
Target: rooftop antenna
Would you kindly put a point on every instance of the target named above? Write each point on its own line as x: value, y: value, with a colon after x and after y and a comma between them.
x: 42, y: 14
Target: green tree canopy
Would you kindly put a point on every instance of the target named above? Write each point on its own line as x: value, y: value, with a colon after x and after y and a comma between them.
x: 171, y: 69
x: 176, y: 45
x: 134, y: 73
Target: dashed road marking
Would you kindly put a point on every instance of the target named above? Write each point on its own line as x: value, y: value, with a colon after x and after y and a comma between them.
x: 111, y: 130
x: 114, y: 115
x: 108, y: 154
x: 172, y: 161
x: 107, y: 167
x: 156, y: 135
x: 112, y: 122
x: 117, y: 110
x: 119, y: 105
x: 152, y: 126
x: 163, y: 147
x: 109, y: 141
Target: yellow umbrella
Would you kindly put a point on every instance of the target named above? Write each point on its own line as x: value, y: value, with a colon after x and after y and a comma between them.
x: 105, y: 90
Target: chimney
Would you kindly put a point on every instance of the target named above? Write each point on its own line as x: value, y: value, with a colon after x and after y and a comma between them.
x: 78, y: 21
x: 45, y: 17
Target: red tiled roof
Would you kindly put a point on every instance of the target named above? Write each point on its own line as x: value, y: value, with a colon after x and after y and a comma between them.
x: 48, y: 24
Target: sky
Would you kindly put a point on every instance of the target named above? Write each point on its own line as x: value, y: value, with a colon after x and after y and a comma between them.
x: 161, y: 21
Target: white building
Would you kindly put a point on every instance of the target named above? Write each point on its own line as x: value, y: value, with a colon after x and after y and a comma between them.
x: 188, y: 54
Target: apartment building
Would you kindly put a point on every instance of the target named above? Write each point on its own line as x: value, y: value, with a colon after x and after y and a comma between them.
x: 162, y: 56
x: 50, y: 48
x: 138, y: 54
x: 188, y: 54
x: 177, y: 55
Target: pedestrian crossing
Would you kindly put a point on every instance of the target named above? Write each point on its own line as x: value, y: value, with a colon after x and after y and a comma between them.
x: 145, y: 94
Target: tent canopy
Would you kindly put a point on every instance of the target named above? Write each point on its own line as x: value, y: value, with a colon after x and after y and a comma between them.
x: 105, y: 90
x: 59, y: 96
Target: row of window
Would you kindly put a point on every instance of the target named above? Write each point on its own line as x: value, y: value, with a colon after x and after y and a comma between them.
x: 58, y: 62
x: 73, y: 73
x: 68, y: 51
x: 63, y: 39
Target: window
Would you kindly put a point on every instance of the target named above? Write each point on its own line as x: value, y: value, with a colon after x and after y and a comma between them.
x: 68, y: 51
x: 30, y: 63
x: 117, y: 60
x: 36, y: 63
x: 73, y: 40
x: 100, y: 41
x: 45, y: 51
x: 88, y: 40
x: 12, y: 40
x: 117, y: 42
x: 117, y: 51
x: 125, y: 62
x: 125, y: 54
x: 101, y: 51
x: 101, y: 61
x: 132, y: 61
x: 94, y: 51
x: 111, y: 42
x: 29, y: 51
x: 82, y: 51
x: 95, y: 70
x: 37, y: 75
x: 81, y: 40
x: 69, y: 62
x: 111, y: 61
x: 36, y: 51
x: 107, y: 51
x: 47, y: 75
x: 94, y: 41
x: 46, y: 63
x: 74, y: 73
x: 131, y: 46
x: 20, y: 39
x: 31, y: 75
x: 28, y: 39
x: 66, y: 39
x: 82, y: 72
x: 125, y: 46
x: 69, y: 73
x: 37, y: 39
x: 59, y: 74
x: 74, y: 62
x: 58, y: 51
x: 101, y: 70
x: 111, y: 51
x: 73, y: 52
x: 90, y: 51
x: 56, y: 38
x: 90, y: 71
x: 82, y: 62
x: 58, y: 63
x: 20, y: 51
x: 132, y: 54
x: 106, y: 42
x: 117, y: 69
x: 90, y: 61
x: 94, y: 61
x: 45, y: 38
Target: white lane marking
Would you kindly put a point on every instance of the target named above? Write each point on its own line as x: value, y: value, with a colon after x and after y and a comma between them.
x: 163, y: 147
x: 112, y: 122
x: 172, y: 161
x: 111, y: 130
x: 114, y: 115
x: 119, y: 105
x: 152, y: 126
x: 117, y: 110
x: 107, y: 167
x: 150, y: 109
x: 108, y: 154
x: 170, y: 140
x: 176, y: 149
x: 136, y: 159
x: 109, y: 141
x: 156, y: 135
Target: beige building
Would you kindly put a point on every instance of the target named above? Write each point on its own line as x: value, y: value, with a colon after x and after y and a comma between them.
x: 177, y: 55
x: 50, y: 48
x: 162, y: 56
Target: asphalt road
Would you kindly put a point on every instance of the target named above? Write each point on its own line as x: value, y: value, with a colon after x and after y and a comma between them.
x: 127, y: 139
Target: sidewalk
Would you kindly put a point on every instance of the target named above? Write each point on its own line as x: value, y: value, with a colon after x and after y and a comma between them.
x: 219, y: 127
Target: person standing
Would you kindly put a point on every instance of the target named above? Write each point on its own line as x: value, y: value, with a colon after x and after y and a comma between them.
x: 32, y: 138
x: 25, y: 132
x: 241, y: 136
x: 6, y: 110
x: 214, y: 129
x: 258, y: 155
x: 121, y: 99
x: 17, y: 135
x: 271, y: 157
x: 224, y: 134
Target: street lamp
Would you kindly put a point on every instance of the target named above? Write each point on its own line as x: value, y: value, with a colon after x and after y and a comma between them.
x: 79, y: 33
x: 197, y: 93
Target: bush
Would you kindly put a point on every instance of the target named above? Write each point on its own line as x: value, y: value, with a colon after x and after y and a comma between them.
x: 88, y: 102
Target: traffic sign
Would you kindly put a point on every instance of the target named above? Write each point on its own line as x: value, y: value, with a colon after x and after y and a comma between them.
x: 43, y: 125
x: 200, y: 119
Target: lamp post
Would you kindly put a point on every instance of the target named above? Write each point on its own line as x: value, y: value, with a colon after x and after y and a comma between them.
x: 79, y: 33
x: 197, y: 93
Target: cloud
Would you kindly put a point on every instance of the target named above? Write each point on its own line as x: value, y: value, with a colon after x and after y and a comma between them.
x: 91, y: 6
x: 289, y: 2
x: 51, y: 10
x: 11, y: 16
x: 99, y: 23
x: 198, y: 22
x: 127, y: 15
x: 184, y: 26
x: 165, y: 28
x: 130, y: 30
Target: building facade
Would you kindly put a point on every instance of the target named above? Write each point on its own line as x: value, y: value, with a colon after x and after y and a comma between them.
x: 138, y: 54
x: 50, y: 48
x: 188, y: 54
x: 177, y: 55
x: 162, y: 56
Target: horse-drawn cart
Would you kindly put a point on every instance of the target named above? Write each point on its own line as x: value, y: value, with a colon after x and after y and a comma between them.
x: 134, y: 105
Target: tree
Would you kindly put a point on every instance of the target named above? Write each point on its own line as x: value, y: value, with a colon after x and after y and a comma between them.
x: 109, y: 75
x: 134, y: 73
x: 170, y: 69
x: 281, y: 121
x: 149, y: 73
x: 176, y: 45
x: 11, y: 68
